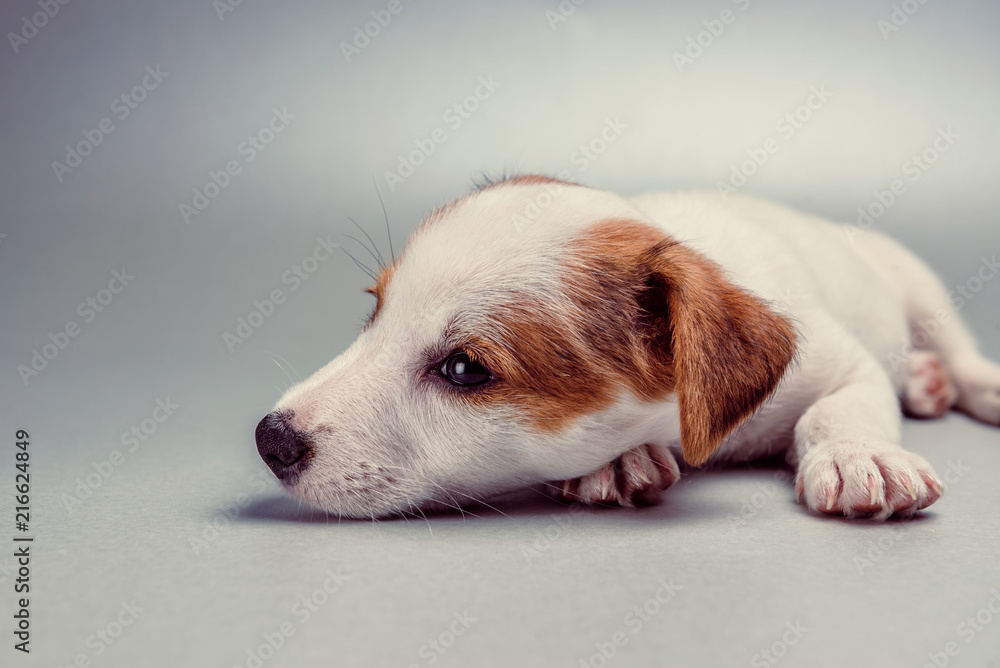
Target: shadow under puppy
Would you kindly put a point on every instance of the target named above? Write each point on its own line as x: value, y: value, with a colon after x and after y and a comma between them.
x: 592, y: 344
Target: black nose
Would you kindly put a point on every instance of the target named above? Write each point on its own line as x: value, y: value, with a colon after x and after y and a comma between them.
x: 284, y: 452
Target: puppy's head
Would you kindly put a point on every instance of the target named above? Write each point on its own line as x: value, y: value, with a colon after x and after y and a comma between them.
x: 531, y: 331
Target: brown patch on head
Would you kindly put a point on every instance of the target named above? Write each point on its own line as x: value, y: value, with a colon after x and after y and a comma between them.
x: 540, y: 364
x: 379, y: 289
x: 642, y: 312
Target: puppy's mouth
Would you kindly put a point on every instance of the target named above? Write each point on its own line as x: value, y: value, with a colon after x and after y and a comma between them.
x: 282, y: 448
x: 363, y: 490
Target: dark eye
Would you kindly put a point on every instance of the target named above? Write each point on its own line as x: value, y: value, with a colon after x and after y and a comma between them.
x: 461, y: 369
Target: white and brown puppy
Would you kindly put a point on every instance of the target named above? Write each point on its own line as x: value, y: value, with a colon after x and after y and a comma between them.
x: 589, y: 345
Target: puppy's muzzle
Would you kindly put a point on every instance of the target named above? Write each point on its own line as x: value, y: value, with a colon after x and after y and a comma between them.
x: 281, y: 448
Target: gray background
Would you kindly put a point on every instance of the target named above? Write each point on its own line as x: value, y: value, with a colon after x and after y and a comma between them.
x: 186, y: 526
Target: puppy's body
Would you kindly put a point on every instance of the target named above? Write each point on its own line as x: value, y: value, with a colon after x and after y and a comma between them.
x: 595, y: 335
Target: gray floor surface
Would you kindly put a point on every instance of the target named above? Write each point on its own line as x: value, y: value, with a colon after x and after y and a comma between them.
x: 180, y: 550
x: 217, y: 561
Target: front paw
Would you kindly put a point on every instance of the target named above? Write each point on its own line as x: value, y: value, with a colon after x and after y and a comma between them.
x: 635, y: 478
x: 865, y: 479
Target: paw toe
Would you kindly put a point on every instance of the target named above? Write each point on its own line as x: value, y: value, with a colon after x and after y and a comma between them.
x: 599, y: 487
x: 864, y: 482
x: 635, y: 478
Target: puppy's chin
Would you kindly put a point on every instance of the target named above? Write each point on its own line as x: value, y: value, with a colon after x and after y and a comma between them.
x: 397, y: 497
x: 349, y: 503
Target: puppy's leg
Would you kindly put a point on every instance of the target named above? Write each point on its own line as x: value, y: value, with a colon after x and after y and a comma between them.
x: 935, y: 325
x: 635, y: 478
x: 979, y: 388
x: 976, y: 379
x: 850, y: 461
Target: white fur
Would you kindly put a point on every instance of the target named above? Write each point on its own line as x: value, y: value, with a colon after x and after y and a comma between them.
x: 373, y: 412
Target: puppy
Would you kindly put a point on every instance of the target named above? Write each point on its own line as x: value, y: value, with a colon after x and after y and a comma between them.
x: 542, y: 331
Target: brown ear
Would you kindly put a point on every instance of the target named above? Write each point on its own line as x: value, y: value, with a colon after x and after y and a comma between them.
x: 662, y: 318
x: 729, y: 350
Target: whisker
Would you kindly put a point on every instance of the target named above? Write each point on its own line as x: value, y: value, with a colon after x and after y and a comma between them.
x: 365, y: 246
x: 340, y: 515
x: 448, y: 493
x: 290, y: 379
x: 381, y: 263
x: 414, y: 508
x: 484, y: 503
x: 279, y: 357
x: 362, y: 266
x: 404, y: 513
x: 388, y: 232
x: 457, y: 506
x: 284, y: 370
x: 557, y: 489
x: 417, y: 508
